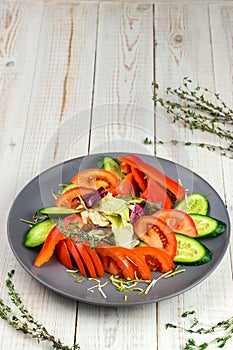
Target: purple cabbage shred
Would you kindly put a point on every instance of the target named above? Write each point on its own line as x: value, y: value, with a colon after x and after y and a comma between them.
x: 91, y: 198
x: 137, y: 211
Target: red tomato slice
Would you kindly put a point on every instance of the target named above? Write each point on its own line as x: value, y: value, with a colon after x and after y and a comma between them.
x: 63, y: 254
x: 178, y: 221
x: 157, y: 259
x: 70, y: 198
x: 141, y: 267
x: 156, y: 233
x: 96, y: 178
x: 155, y: 193
x: 110, y: 266
x: 76, y: 256
x: 110, y: 254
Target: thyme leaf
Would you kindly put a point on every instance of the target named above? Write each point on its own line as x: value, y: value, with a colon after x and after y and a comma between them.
x: 198, y: 109
x: 24, y: 322
x: 226, y: 327
x: 77, y: 234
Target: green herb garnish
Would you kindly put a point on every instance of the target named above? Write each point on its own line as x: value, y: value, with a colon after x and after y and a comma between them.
x: 198, y: 109
x: 77, y: 234
x: 197, y: 328
x: 24, y: 322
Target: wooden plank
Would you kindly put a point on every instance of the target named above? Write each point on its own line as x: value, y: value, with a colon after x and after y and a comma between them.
x: 184, y: 48
x: 53, y: 83
x: 62, y: 85
x: 123, y: 108
x: 18, y: 53
x: 222, y: 61
x: 124, y: 72
x: 161, y: 2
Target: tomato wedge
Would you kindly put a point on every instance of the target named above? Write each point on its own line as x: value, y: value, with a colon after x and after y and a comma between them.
x: 96, y: 178
x: 178, y: 221
x: 157, y: 259
x: 70, y: 198
x: 155, y: 193
x: 109, y: 254
x: 63, y: 254
x: 141, y: 267
x: 52, y: 240
x: 169, y: 184
x: 156, y: 233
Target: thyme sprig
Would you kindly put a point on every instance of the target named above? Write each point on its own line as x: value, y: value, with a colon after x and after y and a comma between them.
x: 196, y: 327
x: 77, y: 234
x: 193, y: 107
x: 24, y: 322
x: 221, y: 150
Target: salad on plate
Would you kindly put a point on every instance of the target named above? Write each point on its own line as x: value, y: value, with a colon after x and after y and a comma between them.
x: 124, y: 218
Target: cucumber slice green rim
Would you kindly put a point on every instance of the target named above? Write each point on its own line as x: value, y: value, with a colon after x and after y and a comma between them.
x: 110, y: 164
x: 56, y: 211
x: 208, y: 227
x: 37, y: 234
x: 194, y: 203
x: 68, y: 187
x: 191, y: 252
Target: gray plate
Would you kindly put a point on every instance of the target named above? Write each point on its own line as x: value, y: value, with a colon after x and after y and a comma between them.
x: 37, y: 194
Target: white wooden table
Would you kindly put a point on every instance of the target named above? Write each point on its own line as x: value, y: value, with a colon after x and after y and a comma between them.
x: 60, y: 58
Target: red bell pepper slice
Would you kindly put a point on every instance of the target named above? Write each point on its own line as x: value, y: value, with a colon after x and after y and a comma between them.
x: 157, y: 259
x: 76, y: 256
x: 80, y: 247
x: 178, y: 221
x: 52, y: 240
x: 126, y: 186
x: 140, y: 178
x: 63, y: 254
x: 96, y: 260
x: 156, y: 233
x: 172, y: 186
x: 155, y: 193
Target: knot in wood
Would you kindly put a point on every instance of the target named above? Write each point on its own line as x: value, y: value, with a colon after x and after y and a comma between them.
x: 177, y: 40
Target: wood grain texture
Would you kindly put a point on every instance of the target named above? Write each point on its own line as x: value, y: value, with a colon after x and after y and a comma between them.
x: 48, y: 64
x: 222, y: 57
x: 124, y: 74
x: 75, y: 78
x: 187, y: 51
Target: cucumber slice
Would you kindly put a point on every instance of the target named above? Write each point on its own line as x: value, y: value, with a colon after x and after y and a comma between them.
x: 58, y: 211
x: 68, y: 187
x: 194, y: 203
x: 190, y: 251
x: 208, y: 227
x: 38, y: 233
x: 110, y: 164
